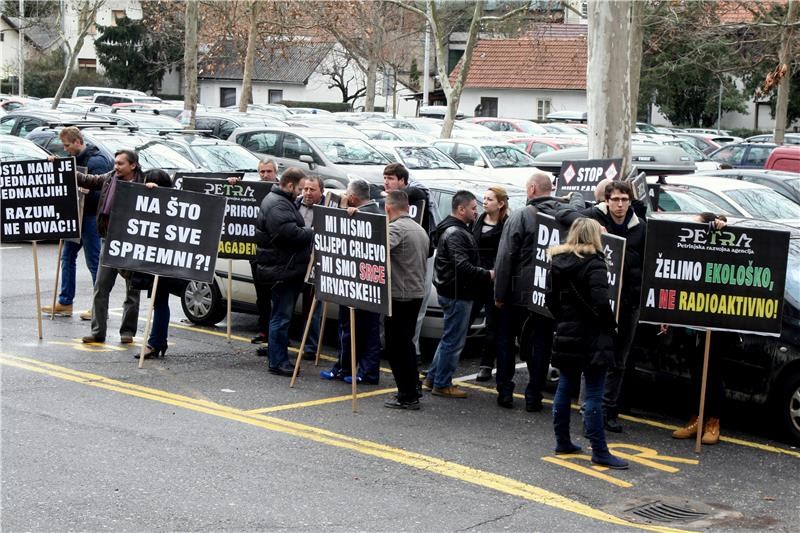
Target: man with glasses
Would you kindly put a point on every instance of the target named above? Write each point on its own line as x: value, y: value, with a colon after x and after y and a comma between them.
x: 618, y: 216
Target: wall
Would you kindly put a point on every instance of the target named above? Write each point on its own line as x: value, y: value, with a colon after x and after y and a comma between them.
x: 522, y: 103
x: 104, y: 17
x: 8, y: 50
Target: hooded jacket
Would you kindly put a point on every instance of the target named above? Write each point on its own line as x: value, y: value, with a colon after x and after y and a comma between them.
x: 456, y: 273
x: 578, y: 297
x: 283, y: 243
x: 101, y: 182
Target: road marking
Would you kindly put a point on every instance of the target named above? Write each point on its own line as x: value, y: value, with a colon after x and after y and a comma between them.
x: 418, y: 461
x: 321, y: 401
x: 96, y: 347
x: 9, y: 248
x: 566, y: 462
x: 650, y: 457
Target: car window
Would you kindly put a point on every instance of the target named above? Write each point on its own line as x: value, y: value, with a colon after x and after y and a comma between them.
x: 717, y: 200
x: 27, y: 125
x: 206, y: 123
x: 226, y: 127
x: 445, y: 204
x: 730, y: 154
x: 381, y: 135
x: 491, y: 124
x: 675, y: 200
x: 342, y: 151
x: 507, y: 156
x: 541, y: 148
x: 56, y: 147
x: 466, y: 154
x: 758, y: 155
x: 446, y: 147
x: 294, y: 147
x: 765, y: 203
x: 264, y: 142
x: 183, y: 151
x: 388, y: 153
x: 226, y: 157
x: 419, y: 157
x: 7, y: 124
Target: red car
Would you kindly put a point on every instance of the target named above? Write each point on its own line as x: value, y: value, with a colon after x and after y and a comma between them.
x: 524, y: 127
x: 539, y: 145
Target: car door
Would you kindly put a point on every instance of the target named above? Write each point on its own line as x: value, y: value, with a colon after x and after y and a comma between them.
x: 263, y: 143
x: 756, y: 156
x: 732, y: 155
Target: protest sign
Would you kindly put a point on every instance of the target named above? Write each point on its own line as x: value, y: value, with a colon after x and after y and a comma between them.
x: 238, y: 239
x: 583, y: 176
x: 639, y: 186
x: 730, y: 280
x: 351, y: 256
x: 39, y: 200
x: 165, y: 232
x: 549, y: 233
x: 176, y: 181
x: 416, y: 210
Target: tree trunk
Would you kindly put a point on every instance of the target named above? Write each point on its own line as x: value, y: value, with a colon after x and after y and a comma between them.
x: 250, y: 59
x: 785, y: 58
x: 378, y: 9
x: 190, y: 64
x: 635, y: 42
x: 608, y: 81
x: 372, y: 76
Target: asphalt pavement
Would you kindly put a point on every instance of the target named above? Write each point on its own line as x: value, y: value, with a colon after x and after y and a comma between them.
x: 206, y: 439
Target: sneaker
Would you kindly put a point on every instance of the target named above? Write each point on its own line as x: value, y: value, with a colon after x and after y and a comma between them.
x: 395, y: 403
x: 360, y: 379
x: 484, y: 374
x: 91, y: 339
x: 261, y: 338
x: 331, y: 375
x: 86, y: 315
x: 449, y: 392
x: 60, y: 310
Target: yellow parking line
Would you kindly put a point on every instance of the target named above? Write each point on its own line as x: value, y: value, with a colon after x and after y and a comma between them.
x: 418, y: 461
x: 321, y: 401
x: 587, y: 471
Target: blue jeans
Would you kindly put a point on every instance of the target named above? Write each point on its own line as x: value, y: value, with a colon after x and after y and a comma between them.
x: 568, y: 383
x: 90, y: 242
x: 454, y: 336
x: 284, y: 297
x: 160, y: 326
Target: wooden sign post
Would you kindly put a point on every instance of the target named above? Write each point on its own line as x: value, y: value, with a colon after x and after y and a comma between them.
x: 701, y: 411
x: 55, y: 284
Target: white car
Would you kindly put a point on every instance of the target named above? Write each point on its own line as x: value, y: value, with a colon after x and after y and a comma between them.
x: 424, y: 162
x: 500, y: 161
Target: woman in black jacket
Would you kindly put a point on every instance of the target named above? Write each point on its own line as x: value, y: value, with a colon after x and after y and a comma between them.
x: 487, y: 231
x: 584, y: 336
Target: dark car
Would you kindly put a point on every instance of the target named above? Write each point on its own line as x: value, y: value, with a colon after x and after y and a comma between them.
x: 24, y: 120
x: 755, y: 369
x: 786, y: 183
x: 743, y: 155
x: 213, y: 154
x: 222, y: 125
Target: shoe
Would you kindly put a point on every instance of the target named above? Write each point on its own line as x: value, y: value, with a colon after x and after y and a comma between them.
x: 262, y: 351
x: 505, y: 400
x: 331, y: 375
x: 606, y: 459
x: 126, y: 339
x: 60, y: 310
x: 484, y: 374
x: 449, y: 392
x: 613, y: 425
x: 711, y: 431
x: 261, y: 338
x: 564, y: 449
x: 427, y: 384
x: 534, y: 407
x: 395, y: 403
x: 86, y: 315
x: 686, y: 432
x: 360, y: 379
x: 151, y: 352
x: 287, y: 369
x: 91, y: 339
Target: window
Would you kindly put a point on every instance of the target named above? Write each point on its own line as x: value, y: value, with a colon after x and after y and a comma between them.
x: 467, y: 155
x: 87, y: 64
x: 757, y: 156
x: 765, y: 203
x: 542, y: 108
x: 263, y: 142
x: 507, y: 156
x: 717, y: 200
x: 7, y: 124
x: 453, y: 57
x: 275, y: 96
x: 27, y: 125
x: 446, y: 147
x: 226, y: 127
x: 730, y: 154
x: 488, y: 107
x: 116, y: 15
x: 227, y: 96
x: 294, y: 147
x: 540, y: 148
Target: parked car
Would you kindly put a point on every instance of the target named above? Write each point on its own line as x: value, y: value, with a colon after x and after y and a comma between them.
x: 705, y: 143
x: 22, y: 121
x: 213, y: 154
x: 88, y: 92
x: 789, y: 138
x: 380, y: 132
x: 116, y: 98
x: 680, y: 199
x: 559, y: 128
x: 785, y: 183
x: 743, y: 155
x: 501, y: 161
x: 327, y: 152
x: 784, y: 158
x: 701, y: 160
x: 424, y: 162
x: 527, y: 127
x: 221, y: 125
x: 149, y: 120
x: 539, y: 145
x: 567, y: 116
x: 17, y: 149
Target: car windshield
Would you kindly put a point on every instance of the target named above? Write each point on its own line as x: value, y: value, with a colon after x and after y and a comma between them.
x: 225, y: 157
x: 507, y: 156
x: 675, y: 200
x: 431, y: 128
x: 151, y: 155
x: 531, y: 128
x: 794, y: 184
x: 151, y: 122
x: 11, y: 151
x: 765, y: 203
x: 689, y: 148
x: 423, y: 157
x: 349, y: 151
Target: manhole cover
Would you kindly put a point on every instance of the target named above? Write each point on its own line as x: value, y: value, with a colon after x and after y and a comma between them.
x: 659, y: 511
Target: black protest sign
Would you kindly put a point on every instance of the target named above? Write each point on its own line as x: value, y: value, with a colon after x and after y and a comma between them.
x: 732, y: 279
x: 176, y: 181
x: 416, y: 210
x: 38, y: 200
x: 165, y: 232
x: 639, y: 186
x: 583, y: 176
x: 614, y: 250
x: 238, y: 240
x: 351, y: 256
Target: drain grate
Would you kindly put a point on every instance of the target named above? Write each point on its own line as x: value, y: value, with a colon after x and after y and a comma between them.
x: 663, y: 512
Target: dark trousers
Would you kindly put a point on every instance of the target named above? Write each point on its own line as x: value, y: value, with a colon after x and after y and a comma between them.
x: 368, y: 344
x: 492, y: 313
x: 534, y: 333
x: 628, y: 320
x: 399, y: 337
x: 263, y: 301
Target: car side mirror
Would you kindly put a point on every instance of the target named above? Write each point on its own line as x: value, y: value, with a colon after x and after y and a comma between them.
x: 305, y: 158
x: 480, y: 163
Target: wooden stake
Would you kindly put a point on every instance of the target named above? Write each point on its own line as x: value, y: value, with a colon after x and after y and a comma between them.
x: 55, y: 288
x: 701, y: 414
x: 321, y: 330
x: 148, y: 323
x: 38, y: 288
x: 303, y: 340
x: 230, y: 295
x: 353, y: 365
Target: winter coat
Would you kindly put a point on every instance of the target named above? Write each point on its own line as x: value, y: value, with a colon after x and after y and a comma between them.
x: 96, y: 163
x: 283, y: 243
x: 514, y: 264
x: 578, y: 297
x: 488, y: 241
x: 456, y: 273
x: 101, y: 182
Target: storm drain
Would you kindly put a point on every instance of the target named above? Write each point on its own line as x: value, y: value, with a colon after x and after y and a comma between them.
x: 663, y: 512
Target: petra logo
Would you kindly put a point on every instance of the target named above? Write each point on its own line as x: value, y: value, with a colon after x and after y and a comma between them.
x: 714, y: 238
x: 569, y: 174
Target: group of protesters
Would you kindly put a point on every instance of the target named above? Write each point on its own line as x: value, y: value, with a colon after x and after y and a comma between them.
x: 475, y: 263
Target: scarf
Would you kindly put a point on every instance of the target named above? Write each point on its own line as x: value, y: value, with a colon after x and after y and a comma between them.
x: 105, y: 209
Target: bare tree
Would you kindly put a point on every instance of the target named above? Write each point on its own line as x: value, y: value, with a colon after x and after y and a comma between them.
x: 784, y: 66
x: 87, y: 13
x: 190, y: 63
x: 342, y: 70
x: 250, y: 58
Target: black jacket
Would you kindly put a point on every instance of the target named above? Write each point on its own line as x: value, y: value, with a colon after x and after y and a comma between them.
x: 283, y: 241
x: 488, y: 241
x: 514, y: 264
x: 578, y: 298
x: 634, y: 231
x: 456, y: 271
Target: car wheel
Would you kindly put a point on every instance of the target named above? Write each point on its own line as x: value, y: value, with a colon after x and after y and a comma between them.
x: 788, y: 403
x: 203, y: 303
